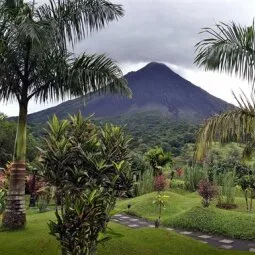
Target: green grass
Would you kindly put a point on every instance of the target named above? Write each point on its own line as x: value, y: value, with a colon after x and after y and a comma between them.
x: 183, y: 210
x: 35, y: 240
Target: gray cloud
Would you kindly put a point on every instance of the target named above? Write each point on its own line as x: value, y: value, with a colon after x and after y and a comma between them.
x: 163, y: 30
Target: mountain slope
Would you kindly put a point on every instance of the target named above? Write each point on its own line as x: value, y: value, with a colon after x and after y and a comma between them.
x: 155, y: 87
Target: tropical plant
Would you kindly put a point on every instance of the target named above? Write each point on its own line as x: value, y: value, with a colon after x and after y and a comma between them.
x: 145, y: 184
x: 207, y: 191
x: 228, y: 48
x: 247, y: 184
x: 160, y: 182
x: 158, y: 158
x: 35, y: 63
x: 192, y: 177
x: 226, y: 183
x: 89, y: 167
x: 160, y: 202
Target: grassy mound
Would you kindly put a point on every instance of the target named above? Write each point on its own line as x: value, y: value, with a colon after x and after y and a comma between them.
x: 184, y: 211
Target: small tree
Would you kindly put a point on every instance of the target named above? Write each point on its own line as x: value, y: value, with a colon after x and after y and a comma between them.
x: 158, y: 158
x: 160, y: 202
x: 90, y: 168
x: 207, y: 191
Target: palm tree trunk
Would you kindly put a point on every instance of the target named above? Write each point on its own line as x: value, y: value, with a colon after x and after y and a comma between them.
x: 15, y: 214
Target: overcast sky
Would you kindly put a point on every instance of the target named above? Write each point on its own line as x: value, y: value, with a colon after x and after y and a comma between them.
x: 164, y: 31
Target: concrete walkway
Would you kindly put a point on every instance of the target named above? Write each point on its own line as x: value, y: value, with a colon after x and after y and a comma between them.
x: 216, y: 241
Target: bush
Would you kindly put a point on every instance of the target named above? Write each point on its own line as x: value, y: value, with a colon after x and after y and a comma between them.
x: 177, y: 184
x: 207, y: 191
x: 90, y: 168
x: 226, y: 194
x: 160, y: 183
x: 146, y: 184
x: 192, y: 177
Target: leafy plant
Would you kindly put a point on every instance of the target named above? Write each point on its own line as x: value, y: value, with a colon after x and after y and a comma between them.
x: 207, y: 191
x: 89, y: 167
x: 160, y: 202
x: 192, y: 177
x: 160, y: 182
x: 158, y: 158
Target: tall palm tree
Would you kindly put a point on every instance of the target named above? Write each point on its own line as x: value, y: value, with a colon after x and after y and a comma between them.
x: 229, y: 48
x: 36, y: 62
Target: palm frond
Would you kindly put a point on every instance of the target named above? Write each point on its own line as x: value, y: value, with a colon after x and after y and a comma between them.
x: 236, y: 125
x: 229, y: 48
x: 80, y: 76
x: 75, y: 19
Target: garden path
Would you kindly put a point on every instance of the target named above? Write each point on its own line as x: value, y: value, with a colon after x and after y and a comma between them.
x: 216, y: 241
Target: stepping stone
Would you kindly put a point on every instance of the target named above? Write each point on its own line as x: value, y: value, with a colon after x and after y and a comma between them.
x: 226, y: 247
x: 170, y: 229
x: 226, y: 241
x: 203, y: 242
x: 124, y: 217
x: 252, y: 250
x: 133, y: 226
x: 134, y: 220
x: 118, y: 215
x: 186, y: 233
x: 151, y: 226
x: 142, y: 222
x: 205, y: 236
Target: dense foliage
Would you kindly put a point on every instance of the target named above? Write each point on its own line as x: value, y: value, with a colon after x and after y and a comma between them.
x: 90, y: 168
x: 7, y: 139
x: 150, y: 129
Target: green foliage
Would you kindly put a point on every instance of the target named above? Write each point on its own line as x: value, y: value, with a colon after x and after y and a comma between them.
x: 145, y: 184
x: 7, y: 139
x: 228, y: 48
x: 90, y: 168
x: 160, y: 203
x: 192, y: 177
x: 150, y: 129
x: 158, y: 158
x: 2, y: 200
x: 226, y: 185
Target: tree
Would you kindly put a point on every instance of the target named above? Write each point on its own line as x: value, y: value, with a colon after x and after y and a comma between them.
x: 35, y: 62
x: 90, y: 168
x: 158, y: 158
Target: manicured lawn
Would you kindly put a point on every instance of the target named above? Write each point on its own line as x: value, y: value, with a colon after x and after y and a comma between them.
x: 183, y: 210
x: 36, y: 240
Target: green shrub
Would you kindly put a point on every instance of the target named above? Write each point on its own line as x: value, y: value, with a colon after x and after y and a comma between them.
x: 226, y: 191
x: 146, y: 183
x: 177, y: 184
x: 2, y: 200
x: 90, y: 168
x: 192, y: 177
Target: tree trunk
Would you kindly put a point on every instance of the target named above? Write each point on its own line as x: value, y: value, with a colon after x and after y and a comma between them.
x: 15, y: 214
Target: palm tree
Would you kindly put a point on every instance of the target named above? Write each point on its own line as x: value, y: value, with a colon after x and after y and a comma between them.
x: 229, y: 48
x: 36, y: 62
